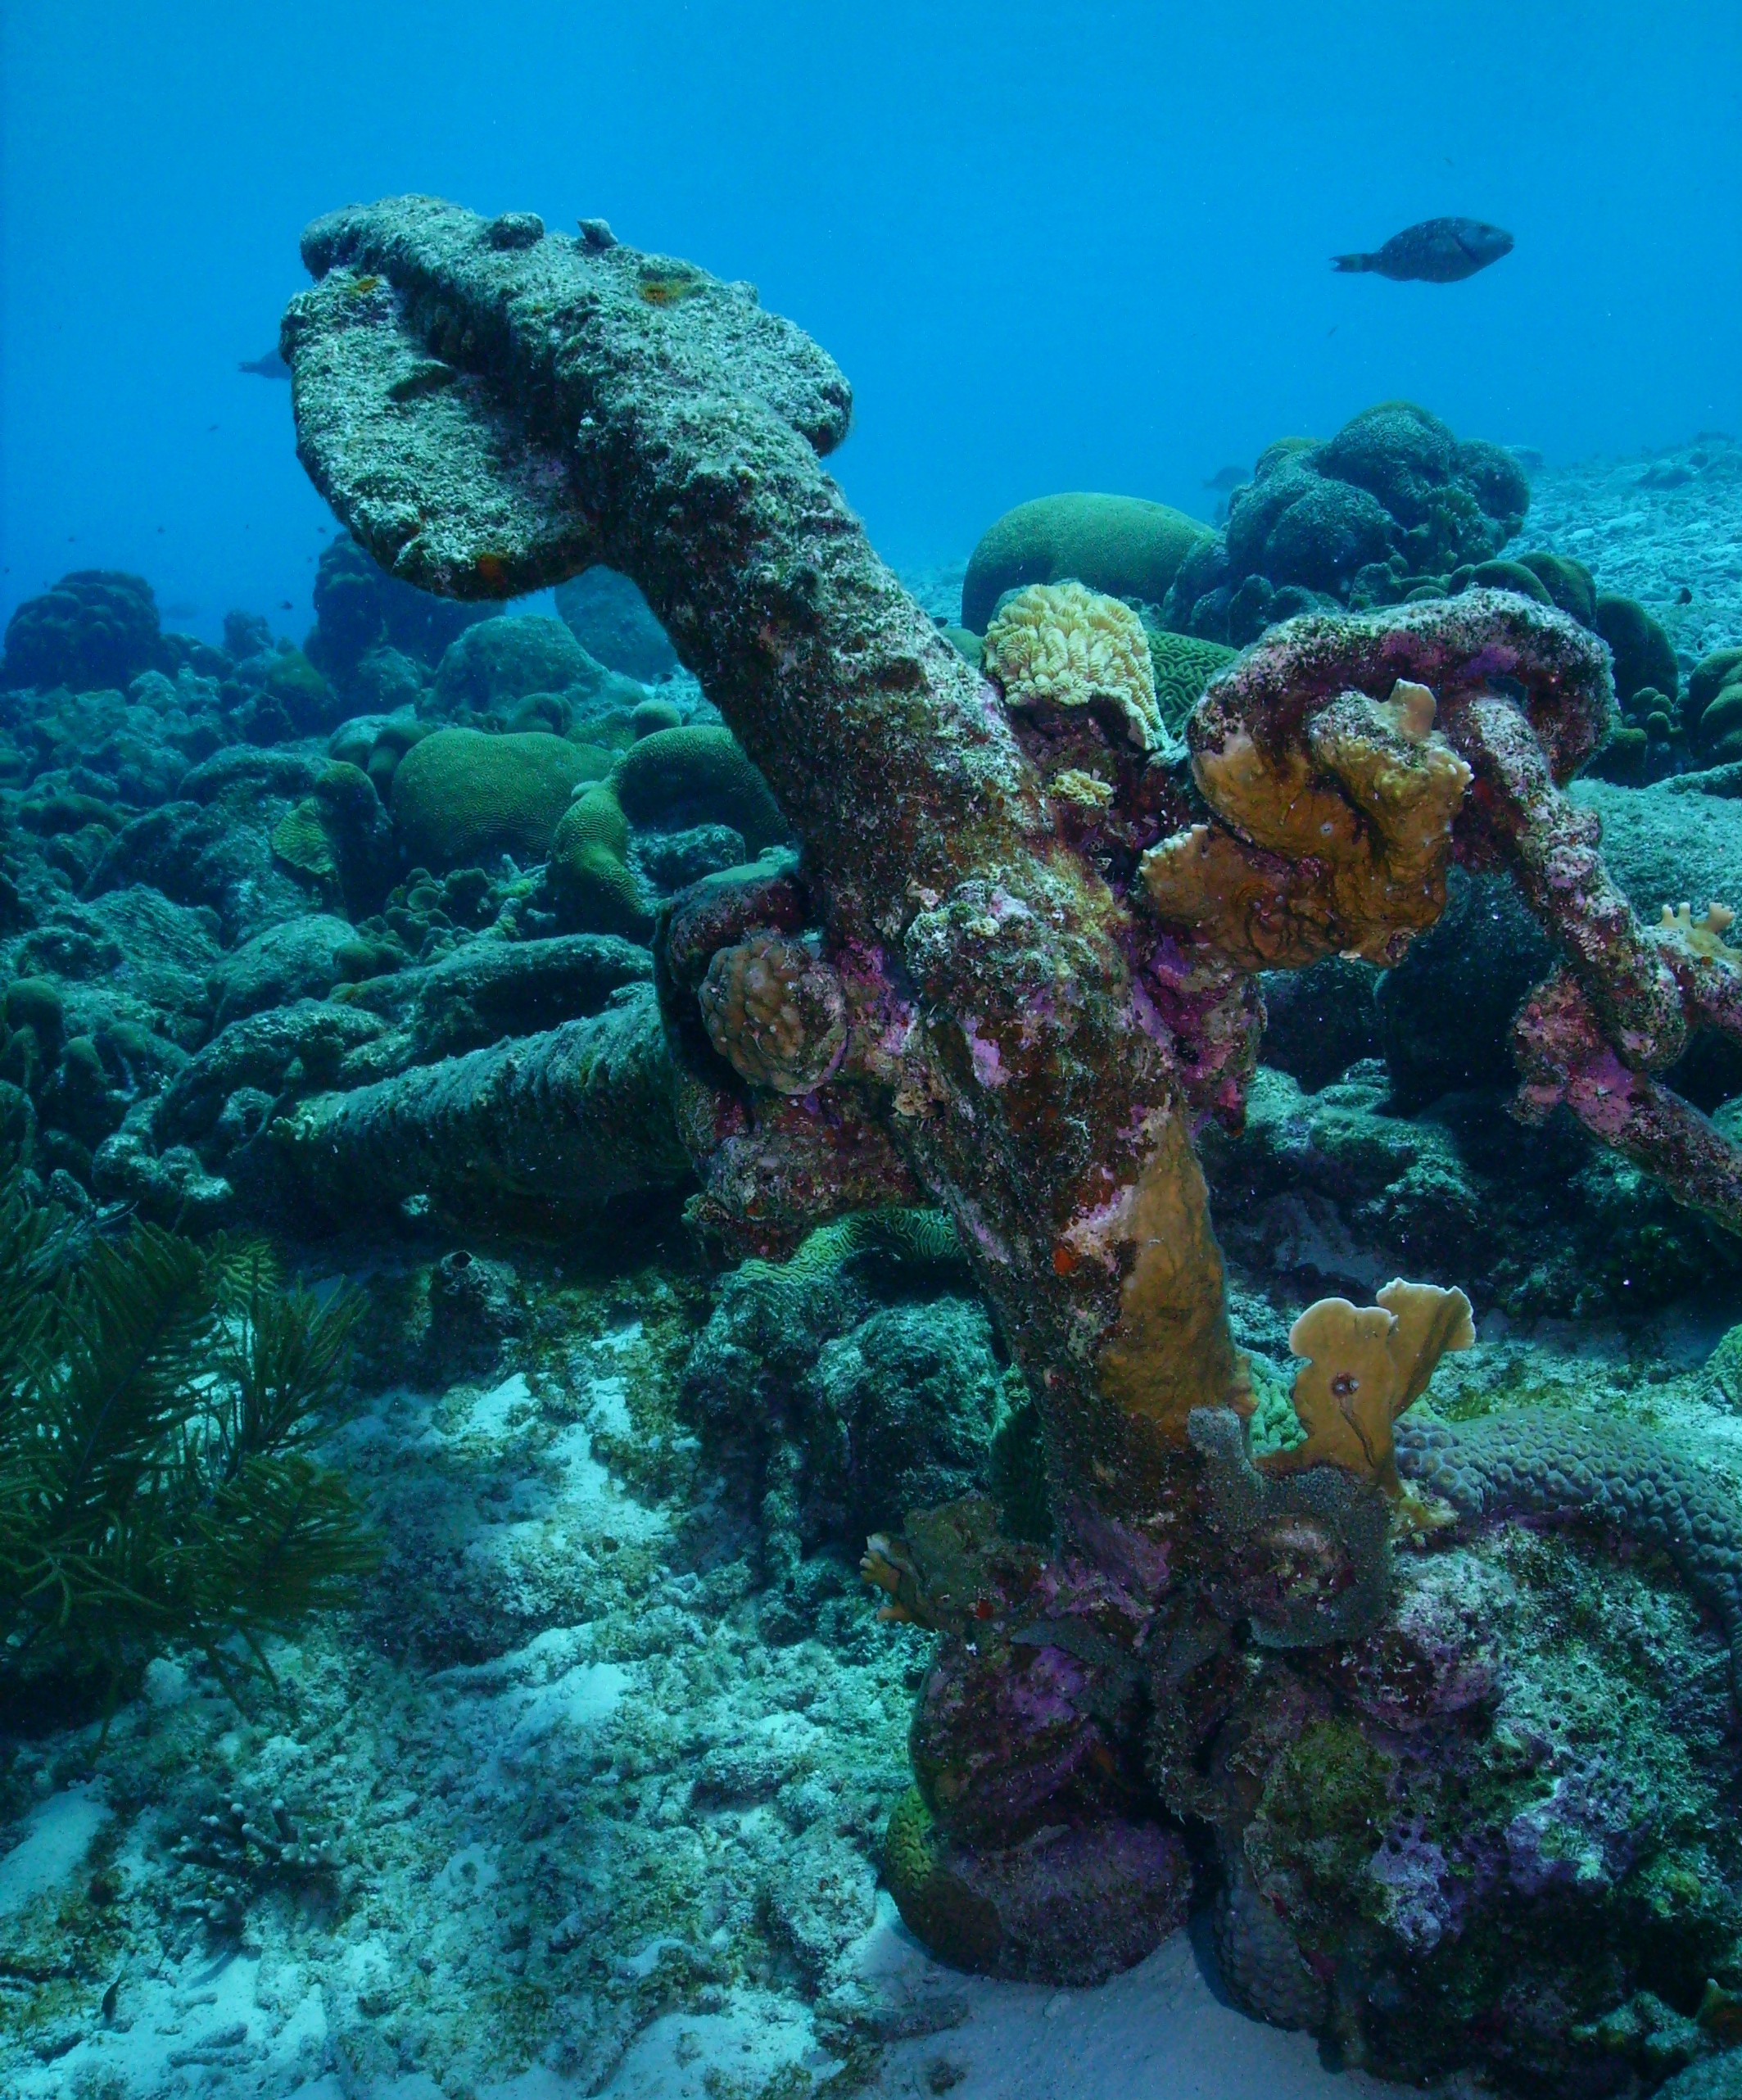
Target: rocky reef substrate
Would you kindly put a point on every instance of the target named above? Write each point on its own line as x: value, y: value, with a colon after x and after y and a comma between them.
x: 590, y: 1792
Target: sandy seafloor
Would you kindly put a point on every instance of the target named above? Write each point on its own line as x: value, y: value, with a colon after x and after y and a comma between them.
x: 551, y: 1815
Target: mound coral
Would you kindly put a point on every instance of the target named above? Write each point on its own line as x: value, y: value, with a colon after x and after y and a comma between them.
x: 1645, y: 656
x: 1714, y: 706
x: 1059, y: 646
x: 1121, y: 546
x: 1394, y: 498
x: 699, y: 774
x: 463, y: 797
x: 1031, y: 1028
x: 1570, y: 586
x: 610, y: 618
x: 1542, y: 1463
x: 503, y: 660
x: 96, y: 626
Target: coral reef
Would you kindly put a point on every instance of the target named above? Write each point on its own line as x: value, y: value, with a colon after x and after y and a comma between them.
x: 1393, y: 501
x: 361, y: 612
x: 1153, y: 1615
x: 96, y: 627
x: 1121, y: 547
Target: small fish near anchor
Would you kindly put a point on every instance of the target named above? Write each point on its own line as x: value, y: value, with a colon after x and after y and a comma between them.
x: 1437, y: 252
x: 271, y: 366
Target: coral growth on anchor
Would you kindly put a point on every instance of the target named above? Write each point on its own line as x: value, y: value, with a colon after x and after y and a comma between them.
x: 1041, y: 949
x: 1362, y: 1368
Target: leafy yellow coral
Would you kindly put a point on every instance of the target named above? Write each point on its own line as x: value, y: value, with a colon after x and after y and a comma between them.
x: 1365, y: 1366
x: 1704, y: 936
x: 1059, y: 644
x: 1352, y: 823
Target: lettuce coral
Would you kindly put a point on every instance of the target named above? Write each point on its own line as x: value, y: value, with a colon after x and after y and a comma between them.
x: 1059, y: 646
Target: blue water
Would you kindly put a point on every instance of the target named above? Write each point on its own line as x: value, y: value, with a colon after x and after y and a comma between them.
x: 1051, y: 247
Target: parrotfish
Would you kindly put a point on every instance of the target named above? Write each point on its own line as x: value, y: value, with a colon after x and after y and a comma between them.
x: 1438, y: 252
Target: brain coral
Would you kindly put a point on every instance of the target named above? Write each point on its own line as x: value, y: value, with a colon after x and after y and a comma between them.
x: 1057, y: 644
x: 1542, y: 1462
x: 697, y: 775
x: 462, y: 797
x: 589, y: 872
x: 1183, y: 665
x: 1122, y: 545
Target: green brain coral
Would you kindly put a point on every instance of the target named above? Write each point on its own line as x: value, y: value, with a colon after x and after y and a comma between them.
x: 1122, y: 546
x: 697, y: 775
x: 1183, y: 665
x: 955, y: 1922
x: 462, y: 796
x: 589, y: 872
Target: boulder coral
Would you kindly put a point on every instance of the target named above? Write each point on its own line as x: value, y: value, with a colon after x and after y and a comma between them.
x: 610, y: 618
x: 462, y: 797
x: 1392, y: 501
x: 590, y: 879
x: 1032, y: 1033
x: 697, y: 774
x: 1122, y: 546
x: 95, y: 627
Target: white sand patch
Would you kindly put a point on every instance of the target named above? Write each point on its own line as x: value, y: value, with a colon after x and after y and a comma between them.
x: 1157, y: 2032
x: 59, y: 1832
x: 495, y: 1413
x: 689, y: 2056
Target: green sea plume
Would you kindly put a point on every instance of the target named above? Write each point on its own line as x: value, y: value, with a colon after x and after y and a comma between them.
x: 159, y: 1403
